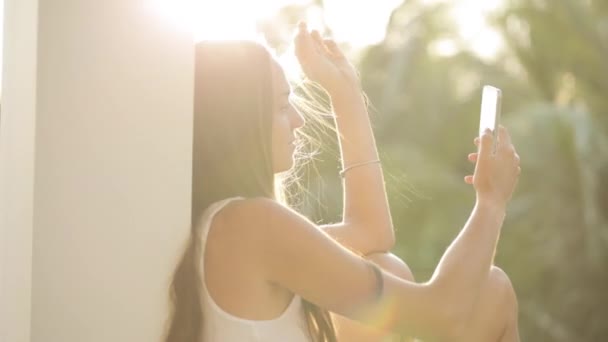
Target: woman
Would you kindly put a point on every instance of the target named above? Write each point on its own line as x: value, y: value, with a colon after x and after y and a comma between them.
x: 255, y: 270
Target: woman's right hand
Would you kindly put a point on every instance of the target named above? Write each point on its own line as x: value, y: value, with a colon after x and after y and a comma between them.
x: 496, y: 174
x: 323, y: 62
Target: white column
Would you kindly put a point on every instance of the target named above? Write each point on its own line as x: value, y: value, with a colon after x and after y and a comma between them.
x: 17, y: 144
x: 95, y: 167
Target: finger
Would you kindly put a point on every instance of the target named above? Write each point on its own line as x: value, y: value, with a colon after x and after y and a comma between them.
x: 468, y: 179
x: 504, y: 139
x: 485, y: 146
x: 472, y: 157
x: 316, y: 36
x: 333, y: 48
x: 476, y: 141
x: 302, y: 26
x: 304, y: 44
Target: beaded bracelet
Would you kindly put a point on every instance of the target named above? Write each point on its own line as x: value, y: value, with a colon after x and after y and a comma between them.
x: 357, y: 165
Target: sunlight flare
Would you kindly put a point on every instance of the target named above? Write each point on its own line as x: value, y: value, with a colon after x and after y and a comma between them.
x: 214, y: 20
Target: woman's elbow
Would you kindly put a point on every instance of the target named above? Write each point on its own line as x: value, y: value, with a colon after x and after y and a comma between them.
x: 386, y: 242
x: 386, y: 239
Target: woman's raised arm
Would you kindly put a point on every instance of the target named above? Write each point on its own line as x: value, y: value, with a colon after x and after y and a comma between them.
x: 366, y: 220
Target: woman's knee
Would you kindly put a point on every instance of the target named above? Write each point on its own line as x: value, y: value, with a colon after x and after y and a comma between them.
x: 392, y: 264
x: 494, y: 310
x: 501, y: 284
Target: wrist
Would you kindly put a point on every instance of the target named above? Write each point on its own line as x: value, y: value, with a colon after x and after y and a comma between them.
x: 348, y: 92
x: 491, y: 205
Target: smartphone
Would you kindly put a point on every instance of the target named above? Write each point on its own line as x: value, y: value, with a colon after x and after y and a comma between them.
x: 490, y: 111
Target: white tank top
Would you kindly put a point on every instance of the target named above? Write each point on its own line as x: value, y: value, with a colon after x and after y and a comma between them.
x: 221, y: 326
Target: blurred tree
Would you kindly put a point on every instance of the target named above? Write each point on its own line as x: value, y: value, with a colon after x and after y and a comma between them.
x: 563, y: 48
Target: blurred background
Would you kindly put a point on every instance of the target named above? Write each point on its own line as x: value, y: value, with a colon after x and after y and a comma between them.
x: 423, y: 64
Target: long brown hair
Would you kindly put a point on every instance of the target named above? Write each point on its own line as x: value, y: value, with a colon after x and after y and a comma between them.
x: 233, y: 106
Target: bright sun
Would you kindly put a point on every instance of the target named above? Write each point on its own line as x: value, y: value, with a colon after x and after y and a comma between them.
x: 222, y: 19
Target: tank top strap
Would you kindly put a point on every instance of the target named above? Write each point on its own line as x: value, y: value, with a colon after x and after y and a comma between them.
x: 207, y: 218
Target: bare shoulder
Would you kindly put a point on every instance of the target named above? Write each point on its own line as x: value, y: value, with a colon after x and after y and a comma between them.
x: 261, y: 212
x: 259, y: 219
x: 253, y: 205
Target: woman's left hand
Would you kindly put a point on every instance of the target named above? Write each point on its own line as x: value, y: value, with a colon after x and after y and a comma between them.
x: 323, y: 62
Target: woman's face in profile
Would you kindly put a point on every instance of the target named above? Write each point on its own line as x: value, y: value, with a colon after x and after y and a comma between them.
x: 285, y: 121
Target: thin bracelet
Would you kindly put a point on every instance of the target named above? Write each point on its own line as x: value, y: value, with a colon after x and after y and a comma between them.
x: 357, y: 165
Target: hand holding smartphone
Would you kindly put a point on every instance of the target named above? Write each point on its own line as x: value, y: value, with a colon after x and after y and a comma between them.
x: 490, y: 111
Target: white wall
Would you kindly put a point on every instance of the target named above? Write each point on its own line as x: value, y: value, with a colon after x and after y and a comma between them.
x: 107, y: 196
